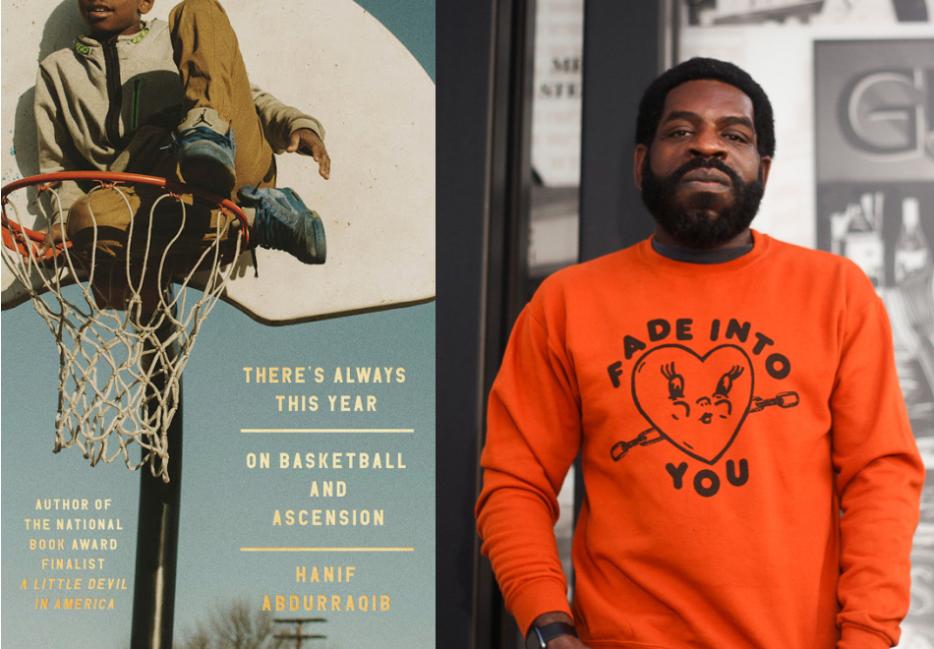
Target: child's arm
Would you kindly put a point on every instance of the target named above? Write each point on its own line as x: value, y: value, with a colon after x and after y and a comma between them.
x: 56, y: 151
x: 288, y: 129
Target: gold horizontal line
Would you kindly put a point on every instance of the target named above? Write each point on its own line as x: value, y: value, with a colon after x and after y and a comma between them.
x: 327, y: 430
x: 326, y: 549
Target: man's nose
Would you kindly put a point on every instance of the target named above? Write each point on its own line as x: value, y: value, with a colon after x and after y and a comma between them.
x: 707, y: 144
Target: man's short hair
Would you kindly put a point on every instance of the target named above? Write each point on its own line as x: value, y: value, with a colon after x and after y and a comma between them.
x: 653, y: 99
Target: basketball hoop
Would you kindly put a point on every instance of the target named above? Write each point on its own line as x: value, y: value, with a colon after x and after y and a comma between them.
x: 105, y: 289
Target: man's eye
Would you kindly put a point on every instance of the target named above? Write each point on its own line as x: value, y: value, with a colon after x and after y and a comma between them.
x: 681, y: 132
x: 737, y: 137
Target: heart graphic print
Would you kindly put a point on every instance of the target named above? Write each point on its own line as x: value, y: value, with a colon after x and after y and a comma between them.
x: 697, y: 402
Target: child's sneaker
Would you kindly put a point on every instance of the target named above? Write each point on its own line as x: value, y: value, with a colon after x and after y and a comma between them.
x: 284, y: 222
x: 205, y: 149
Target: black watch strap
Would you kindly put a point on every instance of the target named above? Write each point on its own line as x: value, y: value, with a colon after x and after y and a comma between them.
x: 539, y: 636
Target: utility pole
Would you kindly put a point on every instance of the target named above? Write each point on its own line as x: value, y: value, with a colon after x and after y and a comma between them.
x: 298, y: 636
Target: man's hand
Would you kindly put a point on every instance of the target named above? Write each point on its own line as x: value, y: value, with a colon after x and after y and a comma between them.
x: 306, y: 141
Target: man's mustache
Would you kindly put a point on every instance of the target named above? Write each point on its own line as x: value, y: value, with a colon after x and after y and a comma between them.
x: 705, y: 163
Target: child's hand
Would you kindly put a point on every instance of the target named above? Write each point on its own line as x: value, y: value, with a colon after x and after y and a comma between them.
x: 53, y: 237
x: 306, y: 141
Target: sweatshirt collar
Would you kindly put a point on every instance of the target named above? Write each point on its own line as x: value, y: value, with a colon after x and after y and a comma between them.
x: 700, y: 256
x: 85, y: 44
x: 679, y: 264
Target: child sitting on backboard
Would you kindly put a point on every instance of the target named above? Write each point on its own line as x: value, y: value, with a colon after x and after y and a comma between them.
x: 174, y: 100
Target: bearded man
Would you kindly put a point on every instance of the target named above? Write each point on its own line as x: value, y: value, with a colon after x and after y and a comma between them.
x: 751, y: 476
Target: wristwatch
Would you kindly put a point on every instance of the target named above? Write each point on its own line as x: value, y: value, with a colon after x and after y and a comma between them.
x: 539, y: 636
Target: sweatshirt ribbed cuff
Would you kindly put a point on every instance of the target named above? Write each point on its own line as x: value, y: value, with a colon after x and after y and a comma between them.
x: 306, y: 122
x: 856, y: 637
x: 535, y: 598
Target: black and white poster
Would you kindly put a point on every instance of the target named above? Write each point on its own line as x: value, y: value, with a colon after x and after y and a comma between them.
x: 874, y: 138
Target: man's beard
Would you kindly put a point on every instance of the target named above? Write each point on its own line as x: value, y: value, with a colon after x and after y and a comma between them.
x: 701, y: 223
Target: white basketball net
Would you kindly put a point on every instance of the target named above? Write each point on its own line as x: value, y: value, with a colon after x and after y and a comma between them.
x: 120, y: 368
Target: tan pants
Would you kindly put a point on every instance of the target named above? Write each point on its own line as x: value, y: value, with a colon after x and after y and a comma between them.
x: 213, y: 75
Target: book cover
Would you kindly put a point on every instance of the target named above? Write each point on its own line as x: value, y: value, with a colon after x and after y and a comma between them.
x: 306, y: 463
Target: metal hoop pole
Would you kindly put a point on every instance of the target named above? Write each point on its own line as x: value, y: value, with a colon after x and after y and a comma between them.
x: 157, y: 536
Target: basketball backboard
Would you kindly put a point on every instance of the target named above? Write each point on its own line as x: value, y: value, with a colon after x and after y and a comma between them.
x: 377, y: 105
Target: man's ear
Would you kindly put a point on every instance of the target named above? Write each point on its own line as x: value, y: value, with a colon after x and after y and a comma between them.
x: 144, y: 6
x: 638, y: 159
x: 765, y: 164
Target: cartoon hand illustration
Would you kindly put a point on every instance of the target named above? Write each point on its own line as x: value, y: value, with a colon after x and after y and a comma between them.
x: 620, y: 449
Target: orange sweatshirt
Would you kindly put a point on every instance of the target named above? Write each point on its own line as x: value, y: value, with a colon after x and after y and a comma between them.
x: 751, y: 476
